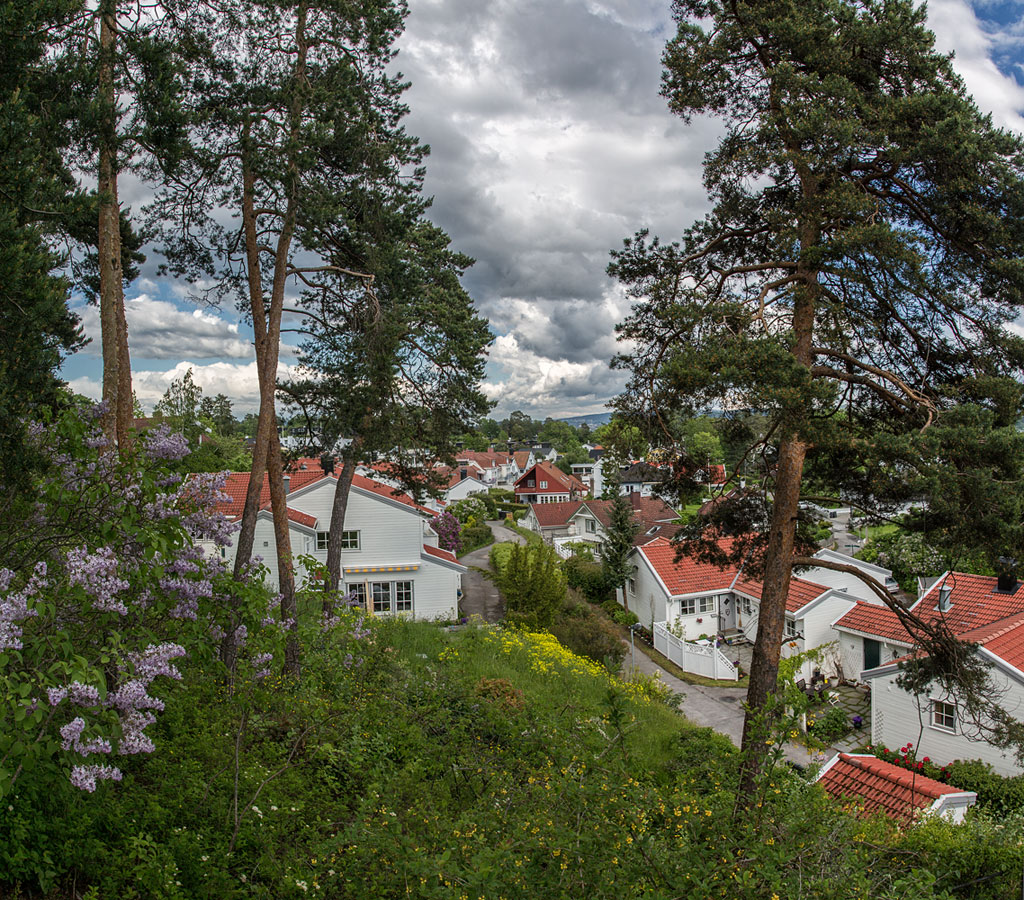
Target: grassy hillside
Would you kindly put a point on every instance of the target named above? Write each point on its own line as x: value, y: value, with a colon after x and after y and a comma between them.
x: 415, y: 762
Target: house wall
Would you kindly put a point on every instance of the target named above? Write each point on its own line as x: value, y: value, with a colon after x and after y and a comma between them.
x: 851, y: 654
x: 435, y: 589
x: 648, y: 601
x: 818, y: 631
x: 388, y: 534
x: 894, y: 721
x: 465, y: 488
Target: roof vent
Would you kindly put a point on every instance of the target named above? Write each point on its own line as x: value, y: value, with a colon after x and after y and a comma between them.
x: 1007, y: 581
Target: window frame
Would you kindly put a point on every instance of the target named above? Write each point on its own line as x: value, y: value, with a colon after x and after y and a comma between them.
x: 938, y: 711
x: 700, y: 605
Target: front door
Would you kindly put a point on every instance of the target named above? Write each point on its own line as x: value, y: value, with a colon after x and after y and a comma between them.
x: 872, y: 654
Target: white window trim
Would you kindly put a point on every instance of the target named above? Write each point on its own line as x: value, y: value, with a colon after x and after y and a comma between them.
x: 393, y: 598
x: 933, y: 702
x: 701, y: 605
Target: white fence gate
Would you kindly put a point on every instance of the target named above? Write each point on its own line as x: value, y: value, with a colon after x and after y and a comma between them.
x: 698, y: 659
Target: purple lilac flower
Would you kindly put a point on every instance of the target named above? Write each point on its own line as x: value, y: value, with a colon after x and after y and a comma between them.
x: 14, y: 607
x: 133, y: 736
x: 162, y: 443
x: 85, y: 777
x: 83, y: 694
x: 97, y: 574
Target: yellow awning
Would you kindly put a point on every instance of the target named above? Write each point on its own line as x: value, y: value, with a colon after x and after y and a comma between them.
x: 355, y: 570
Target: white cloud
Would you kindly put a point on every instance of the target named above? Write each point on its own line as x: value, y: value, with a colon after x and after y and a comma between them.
x: 157, y: 329
x: 238, y: 381
x: 958, y: 30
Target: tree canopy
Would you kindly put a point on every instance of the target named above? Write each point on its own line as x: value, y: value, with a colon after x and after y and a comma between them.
x: 853, y: 279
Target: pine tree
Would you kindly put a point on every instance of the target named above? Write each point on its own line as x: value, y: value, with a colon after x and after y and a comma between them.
x: 852, y: 280
x: 619, y: 540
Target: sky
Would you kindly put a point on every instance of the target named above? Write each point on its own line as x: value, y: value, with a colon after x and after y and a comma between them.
x: 550, y: 144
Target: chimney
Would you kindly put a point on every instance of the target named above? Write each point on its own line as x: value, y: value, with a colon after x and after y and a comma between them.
x: 327, y: 464
x: 1007, y: 581
x: 287, y: 483
x: 945, y: 590
x: 463, y: 474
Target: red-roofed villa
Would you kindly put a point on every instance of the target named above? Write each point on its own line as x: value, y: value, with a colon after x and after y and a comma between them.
x: 390, y: 558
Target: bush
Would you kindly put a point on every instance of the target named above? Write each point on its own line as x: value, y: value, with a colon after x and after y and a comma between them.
x: 588, y: 578
x: 997, y: 793
x: 830, y: 726
x: 473, y: 537
x: 531, y: 582
x: 906, y: 758
x: 587, y: 633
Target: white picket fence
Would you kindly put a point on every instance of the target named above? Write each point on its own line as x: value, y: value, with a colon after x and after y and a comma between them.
x: 698, y: 659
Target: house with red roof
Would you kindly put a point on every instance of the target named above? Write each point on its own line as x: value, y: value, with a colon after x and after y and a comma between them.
x: 551, y: 520
x: 494, y: 466
x: 546, y: 483
x: 695, y: 598
x: 983, y: 610
x: 390, y: 558
x: 592, y: 520
x: 872, y: 785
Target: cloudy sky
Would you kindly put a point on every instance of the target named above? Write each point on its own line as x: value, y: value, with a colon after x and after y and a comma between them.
x: 549, y: 145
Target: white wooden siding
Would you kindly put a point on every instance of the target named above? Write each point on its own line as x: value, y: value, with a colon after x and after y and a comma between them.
x: 895, y: 721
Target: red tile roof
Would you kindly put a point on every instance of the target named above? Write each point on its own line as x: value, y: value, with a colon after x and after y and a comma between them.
x: 551, y: 515
x: 976, y: 609
x: 302, y: 518
x: 558, y: 481
x: 882, y: 786
x: 688, y: 576
x: 647, y: 513
x: 446, y: 555
x: 485, y: 459
x: 522, y: 457
x: 238, y: 483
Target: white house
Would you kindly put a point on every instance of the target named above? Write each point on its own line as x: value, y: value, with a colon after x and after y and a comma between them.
x: 696, y: 598
x: 390, y: 557
x: 591, y: 521
x: 982, y: 610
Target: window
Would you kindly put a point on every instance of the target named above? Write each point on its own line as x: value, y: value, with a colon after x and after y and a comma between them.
x: 944, y: 715
x: 381, y: 591
x: 392, y: 596
x: 748, y: 606
x: 591, y: 525
x: 358, y: 592
x: 403, y: 596
x: 530, y: 482
x: 543, y: 485
x: 631, y: 581
x: 790, y: 631
x: 349, y: 540
x: 693, y: 605
x: 654, y: 530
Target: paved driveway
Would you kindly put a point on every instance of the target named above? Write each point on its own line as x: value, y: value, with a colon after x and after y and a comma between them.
x: 480, y: 596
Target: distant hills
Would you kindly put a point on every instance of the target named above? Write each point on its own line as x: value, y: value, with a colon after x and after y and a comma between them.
x: 593, y: 420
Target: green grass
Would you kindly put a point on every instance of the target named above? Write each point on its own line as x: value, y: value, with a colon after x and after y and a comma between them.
x: 531, y: 536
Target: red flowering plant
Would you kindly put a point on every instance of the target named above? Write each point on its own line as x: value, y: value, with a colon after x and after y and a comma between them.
x: 906, y: 758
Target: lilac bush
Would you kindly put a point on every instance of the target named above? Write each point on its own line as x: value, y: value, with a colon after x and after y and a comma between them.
x: 447, y: 528
x: 114, y: 576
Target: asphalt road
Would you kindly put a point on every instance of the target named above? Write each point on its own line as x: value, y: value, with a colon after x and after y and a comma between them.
x: 480, y: 596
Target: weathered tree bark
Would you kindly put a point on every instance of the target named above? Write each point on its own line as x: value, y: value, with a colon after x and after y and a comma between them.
x: 267, y: 332
x: 285, y: 565
x: 764, y: 667
x: 114, y: 336
x: 338, y: 509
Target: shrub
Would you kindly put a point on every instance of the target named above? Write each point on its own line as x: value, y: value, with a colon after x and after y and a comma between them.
x: 473, y: 537
x: 587, y: 633
x: 830, y: 726
x: 531, y: 581
x: 588, y: 578
x: 997, y: 793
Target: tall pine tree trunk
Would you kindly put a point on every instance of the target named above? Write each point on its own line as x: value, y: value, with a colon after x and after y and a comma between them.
x: 285, y: 565
x: 267, y: 332
x: 117, y: 379
x: 338, y: 509
x: 764, y: 664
